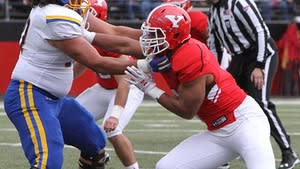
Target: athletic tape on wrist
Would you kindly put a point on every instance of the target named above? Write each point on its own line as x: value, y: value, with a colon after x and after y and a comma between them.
x: 143, y: 65
x: 89, y: 36
x: 116, y: 111
x: 155, y: 93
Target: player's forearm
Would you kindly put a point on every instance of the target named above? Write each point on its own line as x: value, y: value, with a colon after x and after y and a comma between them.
x: 127, y: 31
x: 110, y: 65
x: 99, y: 26
x: 122, y: 91
x: 123, y: 45
x: 173, y: 104
x: 84, y: 53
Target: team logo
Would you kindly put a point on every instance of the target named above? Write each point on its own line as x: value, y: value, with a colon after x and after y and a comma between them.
x: 214, y: 94
x: 219, y: 121
x: 175, y: 19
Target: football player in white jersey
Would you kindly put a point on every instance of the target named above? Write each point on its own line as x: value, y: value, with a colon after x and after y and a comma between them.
x: 113, y: 99
x: 35, y: 99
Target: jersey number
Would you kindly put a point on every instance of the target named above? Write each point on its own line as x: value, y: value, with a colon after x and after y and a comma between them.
x: 24, y: 34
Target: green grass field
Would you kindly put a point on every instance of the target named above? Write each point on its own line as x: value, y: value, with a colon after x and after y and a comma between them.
x: 153, y: 132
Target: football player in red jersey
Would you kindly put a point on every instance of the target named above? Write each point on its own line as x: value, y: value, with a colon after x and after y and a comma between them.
x: 112, y: 99
x: 236, y: 125
x: 199, y: 20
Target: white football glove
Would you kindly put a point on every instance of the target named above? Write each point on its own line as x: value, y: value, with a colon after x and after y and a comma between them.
x: 144, y: 65
x: 143, y: 81
x: 154, y: 64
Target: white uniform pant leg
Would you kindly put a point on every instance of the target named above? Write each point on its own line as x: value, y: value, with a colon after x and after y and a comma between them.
x: 252, y: 138
x: 255, y: 146
x: 135, y: 98
x: 249, y: 137
x: 200, y: 151
x: 96, y: 100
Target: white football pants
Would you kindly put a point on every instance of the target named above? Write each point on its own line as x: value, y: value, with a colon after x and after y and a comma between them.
x: 248, y: 137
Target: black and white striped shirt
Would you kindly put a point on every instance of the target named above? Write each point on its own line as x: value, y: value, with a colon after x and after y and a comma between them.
x: 237, y: 26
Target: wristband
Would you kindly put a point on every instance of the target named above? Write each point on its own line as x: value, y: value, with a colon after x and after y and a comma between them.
x: 143, y: 65
x: 155, y: 93
x: 89, y: 36
x: 116, y: 111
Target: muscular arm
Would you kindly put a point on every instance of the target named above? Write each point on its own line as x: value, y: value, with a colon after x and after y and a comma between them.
x: 84, y: 53
x: 122, y: 91
x: 190, y: 98
x: 119, y: 103
x: 99, y: 26
x: 123, y: 87
x: 78, y: 69
x: 119, y: 44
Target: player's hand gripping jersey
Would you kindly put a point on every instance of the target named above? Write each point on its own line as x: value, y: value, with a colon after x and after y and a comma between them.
x: 40, y: 63
x: 192, y: 60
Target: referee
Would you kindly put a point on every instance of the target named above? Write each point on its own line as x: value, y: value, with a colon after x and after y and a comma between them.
x: 237, y: 26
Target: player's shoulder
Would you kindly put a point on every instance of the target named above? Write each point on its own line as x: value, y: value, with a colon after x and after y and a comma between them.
x: 192, y: 46
x: 57, y: 13
x: 188, y: 53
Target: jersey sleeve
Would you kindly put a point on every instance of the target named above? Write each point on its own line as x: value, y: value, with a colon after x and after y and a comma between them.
x: 64, y: 26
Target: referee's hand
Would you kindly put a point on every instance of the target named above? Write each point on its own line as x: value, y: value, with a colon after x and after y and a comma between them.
x: 257, y: 77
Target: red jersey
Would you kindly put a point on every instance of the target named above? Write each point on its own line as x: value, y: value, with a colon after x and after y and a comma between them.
x: 199, y: 25
x: 107, y: 81
x: 193, y: 60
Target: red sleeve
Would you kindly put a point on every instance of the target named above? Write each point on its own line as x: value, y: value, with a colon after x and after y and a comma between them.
x: 188, y: 63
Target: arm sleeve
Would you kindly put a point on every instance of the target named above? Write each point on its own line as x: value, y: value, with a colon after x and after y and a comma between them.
x: 215, y: 45
x: 62, y: 27
x: 250, y: 17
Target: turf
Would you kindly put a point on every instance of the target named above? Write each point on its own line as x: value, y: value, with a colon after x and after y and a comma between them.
x: 153, y: 132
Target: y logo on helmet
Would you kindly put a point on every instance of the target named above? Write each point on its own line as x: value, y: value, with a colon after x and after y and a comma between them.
x: 175, y: 19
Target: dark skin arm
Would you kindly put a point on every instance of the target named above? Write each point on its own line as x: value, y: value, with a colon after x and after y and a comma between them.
x: 190, y: 98
x: 84, y: 53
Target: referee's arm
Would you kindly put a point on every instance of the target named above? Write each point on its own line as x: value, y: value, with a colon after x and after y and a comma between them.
x: 215, y: 45
x: 250, y: 17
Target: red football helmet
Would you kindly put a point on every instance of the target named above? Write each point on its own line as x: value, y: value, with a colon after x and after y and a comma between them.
x: 166, y: 27
x: 185, y: 4
x: 99, y: 9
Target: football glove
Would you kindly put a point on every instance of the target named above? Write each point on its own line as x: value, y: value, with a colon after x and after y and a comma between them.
x: 160, y: 64
x: 154, y: 64
x: 143, y: 81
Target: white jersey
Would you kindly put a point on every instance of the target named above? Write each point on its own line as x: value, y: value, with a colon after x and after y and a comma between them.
x: 39, y: 62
